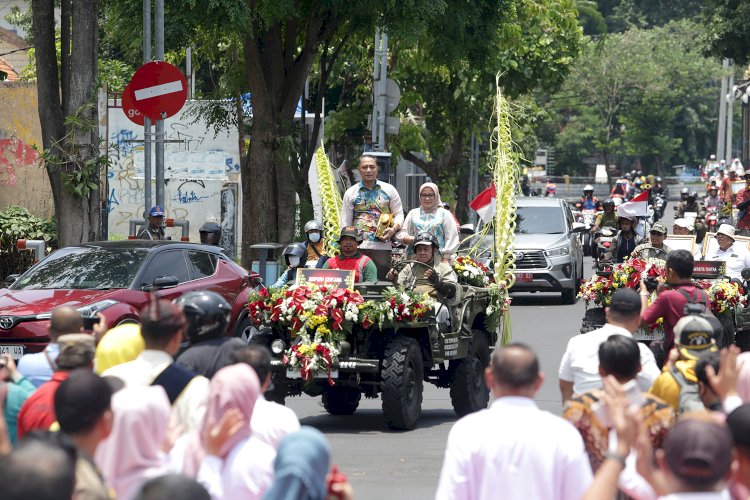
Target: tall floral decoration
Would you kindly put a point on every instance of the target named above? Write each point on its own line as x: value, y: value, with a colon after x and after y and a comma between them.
x: 330, y: 200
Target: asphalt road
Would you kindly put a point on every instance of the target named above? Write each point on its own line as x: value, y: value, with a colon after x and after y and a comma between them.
x: 385, y: 464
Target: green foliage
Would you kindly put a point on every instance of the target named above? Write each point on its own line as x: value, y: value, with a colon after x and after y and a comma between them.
x: 115, y: 73
x: 727, y: 33
x: 17, y: 223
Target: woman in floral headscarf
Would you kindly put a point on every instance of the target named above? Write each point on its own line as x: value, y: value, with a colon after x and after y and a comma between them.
x: 431, y: 218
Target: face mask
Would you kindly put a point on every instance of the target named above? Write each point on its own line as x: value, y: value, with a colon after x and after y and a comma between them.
x: 293, y: 261
x: 314, y: 237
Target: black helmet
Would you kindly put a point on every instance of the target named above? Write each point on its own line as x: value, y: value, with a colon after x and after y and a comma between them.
x: 658, y: 179
x: 608, y: 201
x: 426, y: 238
x: 210, y: 233
x: 693, y: 195
x: 207, y: 314
x: 296, y: 250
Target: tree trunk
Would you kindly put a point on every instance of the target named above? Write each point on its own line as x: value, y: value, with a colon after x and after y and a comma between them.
x: 462, y: 193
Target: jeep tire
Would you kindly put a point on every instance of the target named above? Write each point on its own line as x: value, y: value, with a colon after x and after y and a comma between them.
x: 402, y: 374
x: 341, y: 400
x: 468, y: 391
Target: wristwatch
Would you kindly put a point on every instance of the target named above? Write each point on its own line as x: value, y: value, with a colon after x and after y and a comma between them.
x: 645, y: 294
x: 611, y: 455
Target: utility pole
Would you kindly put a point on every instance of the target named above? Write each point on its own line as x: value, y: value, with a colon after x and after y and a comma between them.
x: 159, y: 56
x: 720, y: 140
x: 473, y: 175
x: 380, y: 75
x: 730, y: 117
x: 147, y: 121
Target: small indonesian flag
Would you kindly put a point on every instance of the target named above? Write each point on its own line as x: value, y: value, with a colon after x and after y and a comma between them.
x: 484, y: 204
x: 637, y: 207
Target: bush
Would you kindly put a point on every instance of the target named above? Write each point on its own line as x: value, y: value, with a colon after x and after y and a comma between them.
x: 17, y: 223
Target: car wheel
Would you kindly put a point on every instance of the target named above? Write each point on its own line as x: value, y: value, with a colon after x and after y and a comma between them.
x: 570, y: 295
x: 246, y: 330
x: 402, y: 376
x: 468, y: 391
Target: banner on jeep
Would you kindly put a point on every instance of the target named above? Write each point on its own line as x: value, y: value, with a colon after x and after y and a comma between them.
x: 335, y: 278
x: 709, y: 269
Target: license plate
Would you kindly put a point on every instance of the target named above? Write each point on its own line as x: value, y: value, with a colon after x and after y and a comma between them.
x: 524, y: 277
x: 642, y: 334
x: 15, y: 351
x: 297, y: 374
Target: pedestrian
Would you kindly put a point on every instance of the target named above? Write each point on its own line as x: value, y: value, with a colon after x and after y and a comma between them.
x: 15, y: 389
x: 38, y: 367
x: 736, y: 257
x: 619, y: 357
x: 301, y: 469
x: 579, y: 367
x: 271, y: 421
x: 83, y: 411
x: 132, y: 453
x: 315, y: 245
x: 708, y: 396
x: 210, y: 350
x: 677, y: 383
x: 371, y: 203
x: 172, y: 486
x: 119, y: 345
x: 163, y: 326
x: 431, y: 218
x: 155, y: 228
x: 513, y: 448
x: 210, y: 234
x: 739, y: 425
x: 42, y: 467
x: 230, y: 461
x: 351, y: 259
x: 671, y: 297
x: 38, y: 411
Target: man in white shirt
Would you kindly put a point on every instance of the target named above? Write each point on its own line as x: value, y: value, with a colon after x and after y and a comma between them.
x: 270, y: 421
x: 579, y: 367
x: 513, y: 449
x: 736, y: 257
x: 163, y: 326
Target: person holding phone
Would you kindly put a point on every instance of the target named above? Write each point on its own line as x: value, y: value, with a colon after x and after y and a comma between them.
x: 15, y: 389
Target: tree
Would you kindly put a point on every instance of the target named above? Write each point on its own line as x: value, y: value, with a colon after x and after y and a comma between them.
x: 727, y: 33
x: 68, y: 113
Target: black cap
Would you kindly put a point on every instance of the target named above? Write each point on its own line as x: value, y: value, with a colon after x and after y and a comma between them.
x: 81, y: 400
x: 739, y: 424
x: 210, y: 227
x: 698, y: 449
x: 625, y: 301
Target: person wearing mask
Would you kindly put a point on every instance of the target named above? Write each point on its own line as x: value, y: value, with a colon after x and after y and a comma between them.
x: 350, y: 258
x: 654, y: 248
x: 316, y: 245
x: 210, y: 350
x: 155, y: 228
x: 369, y: 204
x: 736, y: 256
x: 588, y: 200
x: 430, y: 218
x: 743, y: 204
x: 625, y: 241
x: 210, y: 234
x: 294, y: 255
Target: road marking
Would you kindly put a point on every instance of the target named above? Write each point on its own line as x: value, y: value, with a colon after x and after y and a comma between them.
x: 157, y: 90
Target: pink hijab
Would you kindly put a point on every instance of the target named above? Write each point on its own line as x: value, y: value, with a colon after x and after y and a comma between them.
x: 235, y: 386
x: 131, y: 454
x: 743, y: 382
x: 435, y: 190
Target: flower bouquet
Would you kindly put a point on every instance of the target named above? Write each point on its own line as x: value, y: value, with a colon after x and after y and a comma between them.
x: 600, y: 289
x: 471, y: 272
x: 498, y: 304
x: 724, y: 295
x: 396, y: 306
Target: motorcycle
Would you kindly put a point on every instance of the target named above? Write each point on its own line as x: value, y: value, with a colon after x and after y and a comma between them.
x: 604, y: 238
x: 587, y: 216
x: 659, y: 205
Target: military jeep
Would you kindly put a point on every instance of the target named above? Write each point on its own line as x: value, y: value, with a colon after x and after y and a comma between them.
x: 395, y: 363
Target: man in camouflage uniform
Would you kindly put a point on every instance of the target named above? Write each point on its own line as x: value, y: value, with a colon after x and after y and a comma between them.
x: 655, y: 247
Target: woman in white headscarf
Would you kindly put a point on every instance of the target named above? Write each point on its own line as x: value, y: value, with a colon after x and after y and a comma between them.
x: 431, y: 218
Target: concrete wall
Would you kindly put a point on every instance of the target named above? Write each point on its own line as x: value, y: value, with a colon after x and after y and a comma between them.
x: 23, y: 179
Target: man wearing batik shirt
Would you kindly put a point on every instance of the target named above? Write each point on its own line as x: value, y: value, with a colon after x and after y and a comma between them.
x: 363, y: 204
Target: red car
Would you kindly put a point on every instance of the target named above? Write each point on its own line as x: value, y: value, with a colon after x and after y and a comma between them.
x: 116, y: 278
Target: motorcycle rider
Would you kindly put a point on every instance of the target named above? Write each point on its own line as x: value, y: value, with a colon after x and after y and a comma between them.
x: 684, y: 192
x: 606, y: 219
x: 294, y: 255
x: 525, y: 187
x: 620, y: 189
x: 625, y: 242
x: 725, y: 191
x: 551, y: 189
x: 636, y: 188
x: 588, y: 200
x: 712, y: 200
x: 655, y: 247
x: 316, y: 246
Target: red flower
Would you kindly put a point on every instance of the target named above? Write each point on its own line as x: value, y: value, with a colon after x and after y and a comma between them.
x: 338, y: 317
x: 367, y: 323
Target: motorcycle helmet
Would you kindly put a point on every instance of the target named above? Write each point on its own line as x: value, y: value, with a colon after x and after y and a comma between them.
x: 207, y: 314
x: 692, y: 196
x: 712, y: 188
x: 210, y: 233
x: 626, y: 176
x: 313, y: 225
x: 658, y: 179
x: 295, y: 254
x: 588, y: 190
x: 625, y: 217
x: 424, y: 238
x: 608, y: 202
x: 638, y: 182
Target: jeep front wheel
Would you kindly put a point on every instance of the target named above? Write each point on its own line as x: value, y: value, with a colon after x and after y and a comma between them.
x: 468, y: 392
x: 341, y: 400
x: 402, y: 376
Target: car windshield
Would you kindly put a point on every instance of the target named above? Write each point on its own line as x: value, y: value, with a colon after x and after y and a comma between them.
x: 540, y: 220
x: 84, y: 268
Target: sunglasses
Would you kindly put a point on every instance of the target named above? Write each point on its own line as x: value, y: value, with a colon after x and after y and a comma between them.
x: 656, y: 233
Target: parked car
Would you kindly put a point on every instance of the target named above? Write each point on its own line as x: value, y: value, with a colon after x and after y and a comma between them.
x: 116, y: 278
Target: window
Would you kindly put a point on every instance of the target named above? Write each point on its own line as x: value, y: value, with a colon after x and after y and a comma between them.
x: 203, y: 264
x: 170, y: 263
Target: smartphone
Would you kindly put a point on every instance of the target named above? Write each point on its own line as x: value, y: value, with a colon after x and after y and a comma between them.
x: 88, y: 323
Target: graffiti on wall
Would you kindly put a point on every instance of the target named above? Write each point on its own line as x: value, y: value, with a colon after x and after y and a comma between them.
x: 198, y: 166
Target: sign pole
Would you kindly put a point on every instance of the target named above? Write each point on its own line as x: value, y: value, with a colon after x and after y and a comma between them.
x: 159, y: 56
x: 147, y: 121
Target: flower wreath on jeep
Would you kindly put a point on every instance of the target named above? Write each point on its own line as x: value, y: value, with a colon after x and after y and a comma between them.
x: 471, y: 272
x: 397, y: 306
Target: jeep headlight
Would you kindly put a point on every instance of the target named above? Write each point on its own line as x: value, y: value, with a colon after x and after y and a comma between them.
x: 92, y: 310
x: 552, y: 252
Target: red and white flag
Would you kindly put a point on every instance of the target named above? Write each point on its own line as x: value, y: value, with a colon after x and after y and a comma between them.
x: 484, y: 204
x: 637, y: 207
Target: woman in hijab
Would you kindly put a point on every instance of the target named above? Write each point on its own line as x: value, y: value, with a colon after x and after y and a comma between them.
x: 431, y: 218
x: 119, y: 345
x: 131, y: 454
x: 229, y: 461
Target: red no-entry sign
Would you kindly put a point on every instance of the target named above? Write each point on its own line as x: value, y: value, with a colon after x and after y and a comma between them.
x: 159, y: 90
x: 128, y: 107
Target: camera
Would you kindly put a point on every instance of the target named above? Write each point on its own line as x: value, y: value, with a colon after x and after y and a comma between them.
x: 651, y: 283
x: 88, y: 323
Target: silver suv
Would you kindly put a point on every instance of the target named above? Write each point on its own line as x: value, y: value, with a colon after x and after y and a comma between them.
x: 549, y: 255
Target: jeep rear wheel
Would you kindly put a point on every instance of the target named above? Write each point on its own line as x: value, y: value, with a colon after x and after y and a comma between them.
x: 402, y: 376
x: 468, y: 392
x: 341, y: 400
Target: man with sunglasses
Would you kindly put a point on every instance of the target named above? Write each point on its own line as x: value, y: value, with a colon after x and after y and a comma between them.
x: 655, y: 247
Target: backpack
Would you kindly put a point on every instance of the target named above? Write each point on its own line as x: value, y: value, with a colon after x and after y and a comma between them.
x: 689, y: 398
x: 707, y: 314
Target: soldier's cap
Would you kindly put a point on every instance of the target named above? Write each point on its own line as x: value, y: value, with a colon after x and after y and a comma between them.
x: 350, y: 231
x: 156, y: 211
x: 76, y: 350
x: 659, y: 228
x: 694, y: 337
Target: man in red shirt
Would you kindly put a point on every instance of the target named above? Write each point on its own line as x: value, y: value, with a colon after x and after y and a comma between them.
x: 743, y: 204
x: 38, y: 411
x: 670, y: 301
x: 350, y: 258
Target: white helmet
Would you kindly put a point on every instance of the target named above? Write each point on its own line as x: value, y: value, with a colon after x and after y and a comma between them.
x: 588, y: 187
